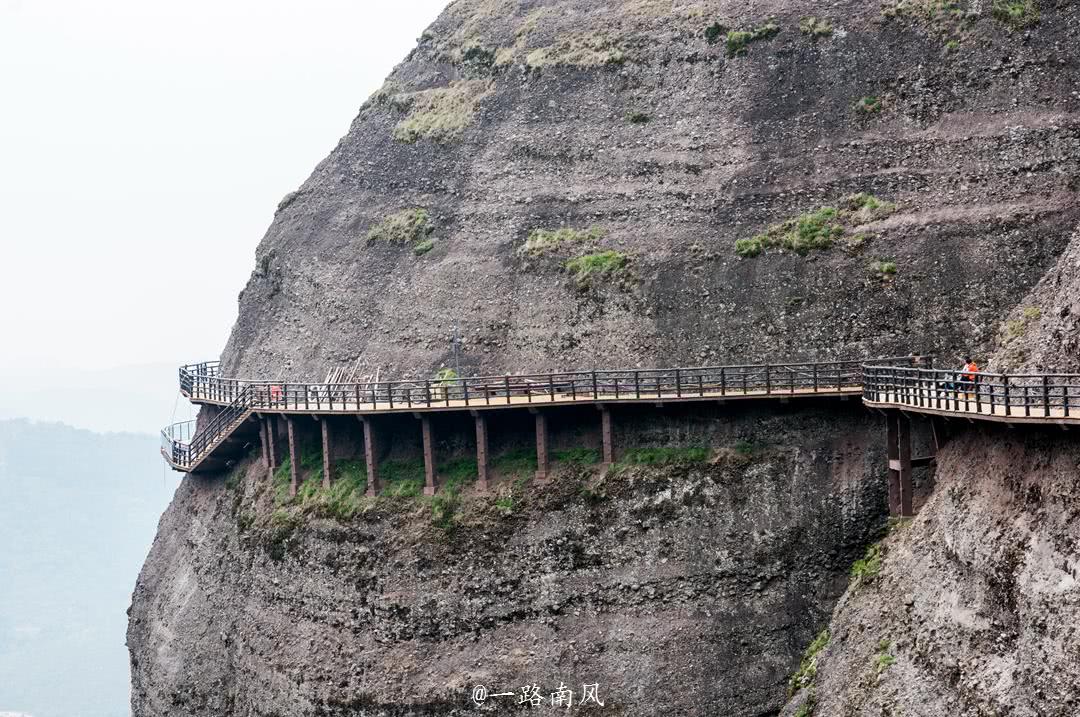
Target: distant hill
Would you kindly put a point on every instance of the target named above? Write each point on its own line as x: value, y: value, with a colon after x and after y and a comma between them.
x: 78, y: 511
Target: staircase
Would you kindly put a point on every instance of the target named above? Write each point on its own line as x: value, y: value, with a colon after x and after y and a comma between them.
x: 224, y: 439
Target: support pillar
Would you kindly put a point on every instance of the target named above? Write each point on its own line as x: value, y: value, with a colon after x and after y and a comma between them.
x: 327, y: 453
x: 262, y: 443
x: 370, y: 456
x: 429, y: 455
x: 481, y: 450
x: 268, y: 429
x: 906, y: 486
x: 607, y: 437
x: 542, y: 465
x: 892, y: 430
x: 294, y: 458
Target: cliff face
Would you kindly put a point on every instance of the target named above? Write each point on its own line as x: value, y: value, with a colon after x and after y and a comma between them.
x: 689, y: 588
x: 562, y: 184
x: 512, y: 117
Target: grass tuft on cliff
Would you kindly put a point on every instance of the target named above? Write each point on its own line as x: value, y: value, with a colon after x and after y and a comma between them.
x: 819, y: 229
x: 662, y: 456
x: 867, y: 567
x: 590, y: 269
x: 1016, y: 14
x: 583, y: 49
x: 738, y: 41
x: 545, y: 241
x: 815, y: 27
x: 807, y: 672
x: 409, y: 226
x: 440, y: 114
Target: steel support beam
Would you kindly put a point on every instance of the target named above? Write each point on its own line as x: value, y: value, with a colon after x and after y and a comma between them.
x: 542, y: 466
x: 607, y: 436
x: 429, y: 455
x: 327, y: 453
x: 481, y: 450
x: 371, y: 456
x: 906, y: 486
x: 892, y: 430
x: 294, y: 458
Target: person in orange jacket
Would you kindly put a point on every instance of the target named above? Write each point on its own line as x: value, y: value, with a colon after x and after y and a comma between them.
x: 970, y: 375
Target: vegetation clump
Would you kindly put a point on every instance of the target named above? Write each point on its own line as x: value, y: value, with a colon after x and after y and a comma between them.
x: 820, y: 229
x: 815, y: 27
x: 868, y: 105
x: 868, y: 567
x: 1015, y: 14
x: 440, y: 114
x: 714, y: 32
x: 738, y: 41
x: 665, y: 456
x: 804, y: 676
x: 409, y: 226
x: 883, y: 659
x: 423, y: 247
x: 543, y: 241
x: 584, y: 49
x: 589, y: 269
x: 635, y: 117
x: 883, y: 269
x: 945, y: 18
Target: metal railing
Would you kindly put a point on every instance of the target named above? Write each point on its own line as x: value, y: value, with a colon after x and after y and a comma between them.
x: 992, y: 394
x: 184, y: 448
x: 697, y: 382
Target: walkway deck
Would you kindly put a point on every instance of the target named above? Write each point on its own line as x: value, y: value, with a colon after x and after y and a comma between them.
x: 891, y: 383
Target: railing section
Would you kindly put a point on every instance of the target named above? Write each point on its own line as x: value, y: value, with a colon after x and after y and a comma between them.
x: 995, y: 394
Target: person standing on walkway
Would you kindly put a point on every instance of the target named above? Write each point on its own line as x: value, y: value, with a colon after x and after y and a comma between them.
x: 970, y: 376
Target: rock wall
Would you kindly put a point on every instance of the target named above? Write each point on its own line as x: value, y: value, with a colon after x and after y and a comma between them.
x: 689, y: 588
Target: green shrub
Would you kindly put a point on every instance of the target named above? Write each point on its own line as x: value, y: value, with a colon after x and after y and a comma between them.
x: 815, y: 28
x: 519, y: 461
x: 869, y: 566
x: 868, y: 105
x: 751, y: 247
x: 423, y: 247
x: 804, y: 676
x: 816, y: 230
x: 738, y: 41
x: 745, y: 448
x: 665, y: 456
x: 542, y: 241
x: 714, y: 32
x: 883, y: 660
x: 1016, y: 14
x: 409, y: 226
x: 440, y: 114
x: 604, y: 265
x: 578, y: 456
x: 635, y: 117
x: 883, y: 269
x: 402, y: 478
x: 505, y: 504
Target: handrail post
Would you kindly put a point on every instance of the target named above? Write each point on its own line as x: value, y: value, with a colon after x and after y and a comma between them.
x: 506, y: 383
x: 678, y: 384
x: 1046, y: 395
x: 595, y: 388
x: 551, y: 385
x: 768, y: 380
x: 815, y: 377
x: 1005, y: 388
x: 637, y: 384
x: 723, y: 382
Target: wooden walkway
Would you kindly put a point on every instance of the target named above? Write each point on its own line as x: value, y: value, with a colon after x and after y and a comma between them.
x: 243, y: 407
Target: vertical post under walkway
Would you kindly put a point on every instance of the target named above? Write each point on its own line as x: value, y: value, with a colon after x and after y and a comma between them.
x: 542, y: 466
x: 607, y: 437
x: 429, y: 455
x: 904, y: 437
x: 327, y: 454
x: 294, y: 471
x: 901, y: 487
x: 481, y: 450
x: 269, y: 427
x: 371, y: 456
x: 263, y: 443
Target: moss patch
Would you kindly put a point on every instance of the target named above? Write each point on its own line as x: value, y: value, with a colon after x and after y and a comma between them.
x: 815, y: 27
x: 738, y: 41
x: 1016, y: 14
x: 817, y: 230
x: 544, y: 241
x: 440, y: 114
x: 409, y: 226
x: 601, y: 267
x: 584, y: 49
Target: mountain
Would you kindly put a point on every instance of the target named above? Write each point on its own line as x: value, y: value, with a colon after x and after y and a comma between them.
x: 78, y: 511
x: 564, y: 184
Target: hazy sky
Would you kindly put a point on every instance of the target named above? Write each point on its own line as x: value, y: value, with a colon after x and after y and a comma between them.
x: 144, y: 146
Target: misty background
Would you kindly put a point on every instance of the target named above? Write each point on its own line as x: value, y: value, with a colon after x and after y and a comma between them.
x: 144, y: 147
